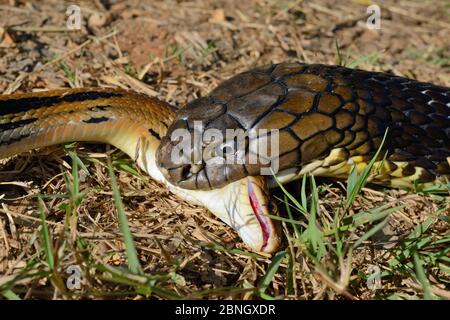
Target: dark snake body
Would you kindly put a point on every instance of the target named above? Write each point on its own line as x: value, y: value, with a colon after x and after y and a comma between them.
x: 322, y: 112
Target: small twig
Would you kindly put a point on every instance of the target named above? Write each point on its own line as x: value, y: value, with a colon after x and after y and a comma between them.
x: 298, y: 44
x: 12, y: 225
x: 338, y: 287
x: 289, y: 7
x: 350, y: 22
x: 419, y: 17
x: 14, y: 9
x: 42, y: 29
x: 25, y: 217
x: 5, y: 238
x: 323, y: 9
x: 437, y: 291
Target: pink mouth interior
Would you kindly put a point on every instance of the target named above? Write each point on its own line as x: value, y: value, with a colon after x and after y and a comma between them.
x: 256, y: 206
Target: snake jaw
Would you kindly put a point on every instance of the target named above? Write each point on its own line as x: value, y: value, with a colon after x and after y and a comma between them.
x: 261, y: 211
x: 248, y: 210
x: 244, y: 205
x: 257, y: 210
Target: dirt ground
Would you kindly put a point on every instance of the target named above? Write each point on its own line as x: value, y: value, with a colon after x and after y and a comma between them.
x: 178, y: 51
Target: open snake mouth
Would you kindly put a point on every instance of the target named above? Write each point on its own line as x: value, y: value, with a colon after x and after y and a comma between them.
x: 264, y: 222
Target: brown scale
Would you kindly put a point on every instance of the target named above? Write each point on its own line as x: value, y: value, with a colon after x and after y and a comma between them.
x: 318, y: 108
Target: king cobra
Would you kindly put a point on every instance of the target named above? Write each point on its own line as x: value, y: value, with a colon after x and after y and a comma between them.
x: 328, y: 120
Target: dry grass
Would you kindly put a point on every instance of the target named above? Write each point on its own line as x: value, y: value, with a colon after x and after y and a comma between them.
x: 177, y: 52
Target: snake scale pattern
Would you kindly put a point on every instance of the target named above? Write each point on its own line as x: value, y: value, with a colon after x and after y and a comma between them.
x: 329, y: 118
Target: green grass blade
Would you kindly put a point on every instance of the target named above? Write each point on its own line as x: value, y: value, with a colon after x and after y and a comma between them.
x: 10, y: 295
x: 374, y: 214
x: 363, y: 218
x: 420, y: 272
x: 47, y: 244
x: 422, y: 228
x: 354, y: 183
x: 352, y: 180
x: 267, y: 279
x: 290, y: 274
x: 303, y: 198
x: 291, y: 219
x: 75, y: 176
x: 315, y: 236
x: 133, y: 261
x: 371, y: 58
x: 369, y: 233
x: 340, y: 61
x: 125, y: 166
x: 290, y: 196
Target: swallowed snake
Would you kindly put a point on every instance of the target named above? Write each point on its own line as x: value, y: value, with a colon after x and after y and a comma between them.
x: 325, y: 120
